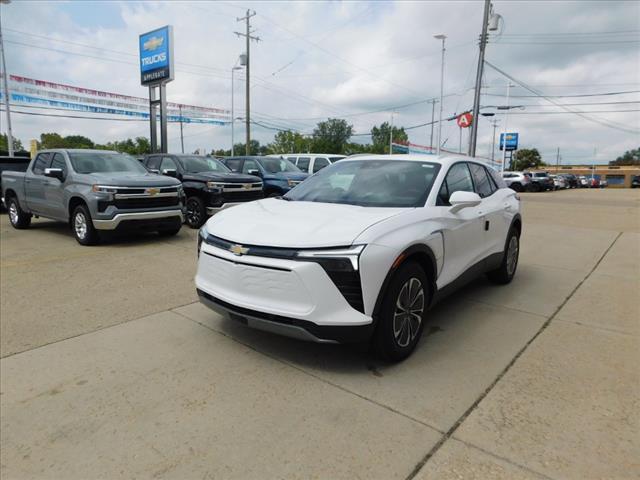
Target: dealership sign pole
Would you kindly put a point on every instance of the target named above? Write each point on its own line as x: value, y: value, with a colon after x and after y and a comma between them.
x: 156, y: 70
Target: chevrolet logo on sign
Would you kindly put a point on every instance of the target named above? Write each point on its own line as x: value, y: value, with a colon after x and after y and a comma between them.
x: 152, y: 191
x: 153, y: 43
x: 238, y: 250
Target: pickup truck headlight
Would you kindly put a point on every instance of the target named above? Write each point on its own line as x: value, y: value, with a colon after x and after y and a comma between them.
x: 215, y: 186
x: 103, y: 189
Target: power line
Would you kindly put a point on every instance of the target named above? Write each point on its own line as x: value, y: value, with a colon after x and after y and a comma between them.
x: 606, y: 123
x: 564, y: 96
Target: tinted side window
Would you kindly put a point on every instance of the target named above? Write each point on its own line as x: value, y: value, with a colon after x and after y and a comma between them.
x: 42, y: 162
x: 168, y: 164
x: 498, y: 181
x: 249, y: 165
x: 483, y: 186
x: 154, y: 163
x: 234, y: 164
x: 319, y: 164
x: 458, y: 179
x: 58, y: 162
x: 303, y: 163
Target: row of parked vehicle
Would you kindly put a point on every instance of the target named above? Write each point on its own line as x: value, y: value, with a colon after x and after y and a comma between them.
x: 541, y: 181
x: 96, y: 190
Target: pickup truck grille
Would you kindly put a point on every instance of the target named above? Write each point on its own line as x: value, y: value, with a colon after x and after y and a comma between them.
x: 142, y: 197
x: 241, y: 187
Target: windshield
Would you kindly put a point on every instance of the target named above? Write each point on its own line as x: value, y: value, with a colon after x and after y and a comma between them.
x: 196, y: 164
x: 105, y: 162
x: 277, y: 165
x: 369, y: 183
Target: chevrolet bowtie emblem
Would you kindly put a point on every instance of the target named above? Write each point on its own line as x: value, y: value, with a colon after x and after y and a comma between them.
x: 153, y: 191
x: 238, y: 250
x: 247, y: 186
x: 153, y: 43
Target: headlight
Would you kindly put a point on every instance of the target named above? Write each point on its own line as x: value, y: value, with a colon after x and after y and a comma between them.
x: 337, y: 259
x: 214, y: 186
x: 202, y: 235
x: 103, y: 189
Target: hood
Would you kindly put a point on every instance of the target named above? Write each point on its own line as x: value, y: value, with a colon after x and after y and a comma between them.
x: 133, y: 179
x: 279, y: 223
x: 221, y: 177
x: 286, y: 176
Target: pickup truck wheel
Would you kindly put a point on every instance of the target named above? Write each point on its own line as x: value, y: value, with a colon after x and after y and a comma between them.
x: 402, y: 314
x: 196, y: 213
x: 82, y: 226
x: 507, y: 269
x: 516, y: 187
x: 19, y: 219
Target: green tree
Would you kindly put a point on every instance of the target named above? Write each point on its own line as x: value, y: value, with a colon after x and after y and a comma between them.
x: 4, y: 143
x: 630, y: 157
x: 352, y: 148
x: 380, y: 137
x: 137, y: 146
x: 526, y: 158
x: 255, y: 148
x: 289, y: 142
x: 331, y: 136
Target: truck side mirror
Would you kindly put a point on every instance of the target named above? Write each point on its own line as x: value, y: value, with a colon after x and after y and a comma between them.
x: 170, y: 172
x: 54, y: 173
x: 254, y: 172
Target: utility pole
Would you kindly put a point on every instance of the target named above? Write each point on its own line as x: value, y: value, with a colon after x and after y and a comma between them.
x: 5, y: 76
x: 433, y: 112
x: 558, y: 160
x: 443, y: 38
x: 391, y: 136
x: 181, y: 136
x: 248, y: 37
x: 476, y: 95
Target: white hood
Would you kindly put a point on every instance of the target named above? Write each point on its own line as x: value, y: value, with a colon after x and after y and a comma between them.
x: 280, y: 223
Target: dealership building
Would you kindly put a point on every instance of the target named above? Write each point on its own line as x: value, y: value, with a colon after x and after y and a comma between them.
x: 616, y: 176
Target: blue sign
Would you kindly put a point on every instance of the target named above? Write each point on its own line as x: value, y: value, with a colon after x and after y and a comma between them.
x: 156, y: 56
x: 512, y: 141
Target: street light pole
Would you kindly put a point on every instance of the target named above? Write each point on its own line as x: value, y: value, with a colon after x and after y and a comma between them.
x: 7, y: 95
x: 443, y: 38
x: 494, y: 123
x: 181, y: 136
x: 433, y: 112
x: 391, y: 136
x: 233, y: 116
x: 504, y: 137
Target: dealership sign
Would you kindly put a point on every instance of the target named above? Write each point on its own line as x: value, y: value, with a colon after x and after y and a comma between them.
x: 156, y: 56
x: 511, y: 142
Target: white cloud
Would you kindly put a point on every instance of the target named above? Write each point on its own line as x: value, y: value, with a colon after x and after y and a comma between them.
x: 341, y: 58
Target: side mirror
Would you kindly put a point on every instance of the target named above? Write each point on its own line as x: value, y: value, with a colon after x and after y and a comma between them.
x: 170, y: 172
x: 154, y: 170
x: 54, y: 173
x: 460, y: 200
x: 254, y: 172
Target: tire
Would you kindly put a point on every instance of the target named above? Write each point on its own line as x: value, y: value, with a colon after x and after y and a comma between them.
x: 19, y: 218
x: 82, y: 226
x: 196, y: 212
x: 516, y: 187
x: 273, y: 195
x: 535, y: 187
x: 507, y: 269
x: 398, y: 332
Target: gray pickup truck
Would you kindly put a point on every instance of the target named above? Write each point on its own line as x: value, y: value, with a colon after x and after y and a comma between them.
x: 94, y: 191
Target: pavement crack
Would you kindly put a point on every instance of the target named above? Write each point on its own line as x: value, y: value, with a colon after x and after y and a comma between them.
x: 504, y: 371
x: 313, y: 375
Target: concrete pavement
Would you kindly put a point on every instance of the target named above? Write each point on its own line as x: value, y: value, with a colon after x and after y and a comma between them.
x: 537, y: 379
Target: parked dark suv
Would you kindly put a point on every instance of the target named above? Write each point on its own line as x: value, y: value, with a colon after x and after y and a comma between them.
x: 208, y: 184
x: 278, y: 174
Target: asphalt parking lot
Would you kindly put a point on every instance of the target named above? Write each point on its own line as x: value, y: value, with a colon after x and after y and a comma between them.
x: 111, y: 369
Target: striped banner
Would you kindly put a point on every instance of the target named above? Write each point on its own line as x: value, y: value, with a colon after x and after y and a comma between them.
x: 78, y: 107
x: 114, y: 96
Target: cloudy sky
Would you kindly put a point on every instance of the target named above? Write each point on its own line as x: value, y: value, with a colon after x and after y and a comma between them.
x: 354, y: 60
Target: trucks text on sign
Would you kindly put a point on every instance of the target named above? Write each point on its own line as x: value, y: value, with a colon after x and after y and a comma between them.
x: 156, y: 56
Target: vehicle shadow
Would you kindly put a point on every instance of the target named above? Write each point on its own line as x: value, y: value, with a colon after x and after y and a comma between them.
x: 116, y: 239
x: 353, y: 358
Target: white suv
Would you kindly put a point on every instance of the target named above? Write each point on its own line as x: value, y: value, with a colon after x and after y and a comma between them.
x: 311, y: 162
x: 361, y: 250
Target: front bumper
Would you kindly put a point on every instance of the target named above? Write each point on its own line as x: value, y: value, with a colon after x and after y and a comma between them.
x: 140, y: 218
x: 289, y: 297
